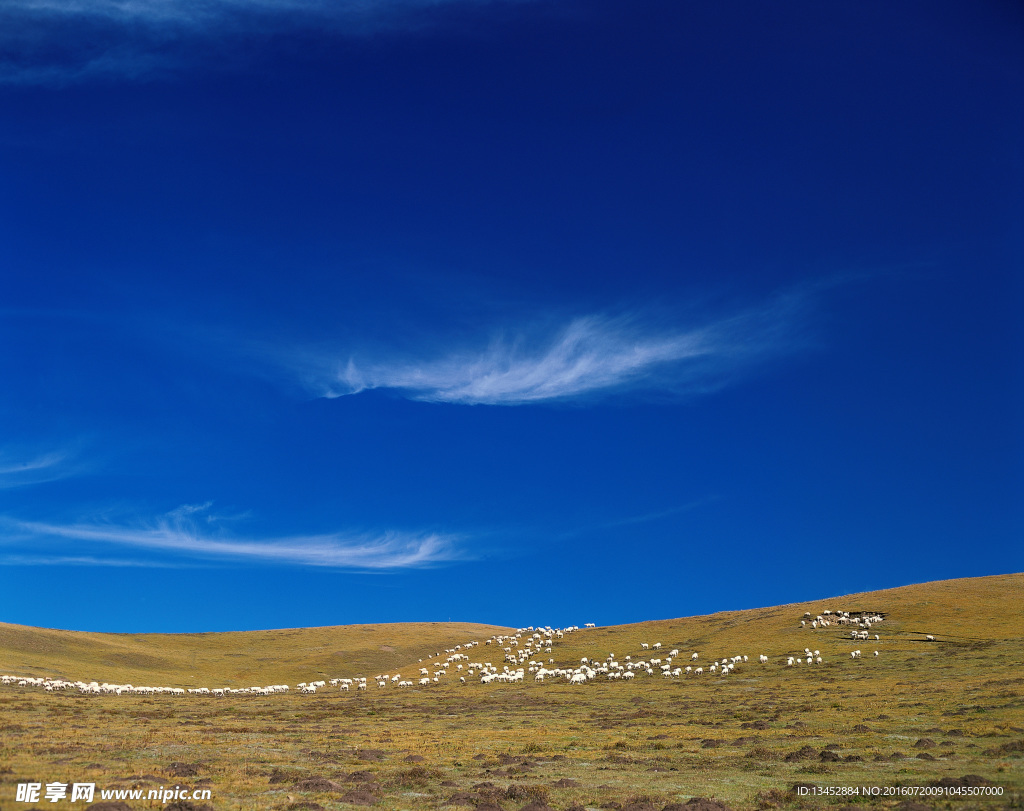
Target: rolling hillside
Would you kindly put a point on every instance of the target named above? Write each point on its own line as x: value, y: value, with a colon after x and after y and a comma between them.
x: 946, y: 712
x: 957, y: 613
x: 228, y: 659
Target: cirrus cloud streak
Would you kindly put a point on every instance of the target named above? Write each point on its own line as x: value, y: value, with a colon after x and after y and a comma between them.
x: 56, y: 42
x: 586, y: 357
x: 175, y: 534
x: 22, y: 471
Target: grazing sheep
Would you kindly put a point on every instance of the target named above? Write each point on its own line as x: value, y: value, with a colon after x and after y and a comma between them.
x: 518, y: 648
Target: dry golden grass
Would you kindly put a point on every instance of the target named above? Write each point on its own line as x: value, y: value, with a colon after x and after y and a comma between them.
x: 239, y: 659
x: 745, y: 739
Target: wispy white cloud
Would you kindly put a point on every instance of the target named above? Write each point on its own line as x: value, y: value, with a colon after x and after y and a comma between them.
x: 21, y: 471
x: 63, y: 41
x: 84, y: 560
x: 586, y: 356
x: 646, y: 518
x: 589, y: 528
x: 178, y: 533
x: 47, y: 461
x: 202, y: 12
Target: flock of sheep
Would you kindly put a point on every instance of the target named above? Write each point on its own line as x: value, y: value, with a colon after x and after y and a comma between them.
x: 523, y: 652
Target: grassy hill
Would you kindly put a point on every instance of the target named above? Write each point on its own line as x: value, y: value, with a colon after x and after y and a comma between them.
x: 920, y: 713
x: 239, y: 659
x: 957, y: 613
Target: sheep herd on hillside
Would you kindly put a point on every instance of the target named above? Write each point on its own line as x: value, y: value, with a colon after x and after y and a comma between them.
x: 522, y: 653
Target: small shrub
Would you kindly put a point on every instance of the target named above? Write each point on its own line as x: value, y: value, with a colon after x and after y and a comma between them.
x: 772, y: 798
x: 529, y: 794
x: 416, y: 777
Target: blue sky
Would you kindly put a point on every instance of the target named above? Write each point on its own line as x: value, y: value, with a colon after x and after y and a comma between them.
x: 507, y: 311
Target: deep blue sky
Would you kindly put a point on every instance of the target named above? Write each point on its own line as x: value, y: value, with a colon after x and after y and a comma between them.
x: 520, y: 311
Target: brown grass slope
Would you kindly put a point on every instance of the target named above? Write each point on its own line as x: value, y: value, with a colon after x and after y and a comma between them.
x: 947, y: 712
x: 966, y: 611
x: 963, y: 612
x: 245, y: 658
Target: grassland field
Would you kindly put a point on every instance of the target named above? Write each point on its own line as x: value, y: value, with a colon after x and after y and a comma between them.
x: 922, y: 713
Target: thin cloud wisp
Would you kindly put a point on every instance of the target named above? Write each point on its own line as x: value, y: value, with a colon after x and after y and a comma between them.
x: 589, y: 356
x: 173, y: 534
